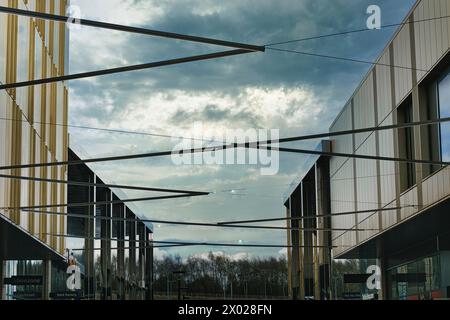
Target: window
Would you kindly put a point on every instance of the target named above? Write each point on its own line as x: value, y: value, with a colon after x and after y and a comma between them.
x: 444, y: 112
x: 415, y: 280
x: 406, y: 146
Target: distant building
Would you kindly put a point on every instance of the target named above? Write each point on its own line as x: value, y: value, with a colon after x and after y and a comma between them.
x: 116, y: 256
x: 411, y: 243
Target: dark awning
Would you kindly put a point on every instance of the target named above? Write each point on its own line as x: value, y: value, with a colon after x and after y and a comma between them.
x: 423, y: 234
x: 17, y: 244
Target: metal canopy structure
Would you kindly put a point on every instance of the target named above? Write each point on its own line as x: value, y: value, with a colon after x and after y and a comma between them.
x: 260, y: 145
x: 23, y: 246
x: 137, y: 30
x: 239, y: 48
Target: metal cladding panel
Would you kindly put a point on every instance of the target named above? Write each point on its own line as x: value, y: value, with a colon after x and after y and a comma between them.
x: 364, y: 109
x: 24, y: 138
x: 387, y: 168
x: 430, y: 41
x: 384, y: 87
x: 402, y: 59
x: 432, y: 37
x: 341, y: 143
x: 366, y: 178
x: 436, y: 187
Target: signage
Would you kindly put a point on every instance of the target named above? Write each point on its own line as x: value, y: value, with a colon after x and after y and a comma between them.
x: 64, y: 295
x: 73, y: 282
x: 370, y: 296
x: 356, y: 278
x: 410, y: 277
x: 21, y: 295
x: 352, y: 296
x: 24, y: 281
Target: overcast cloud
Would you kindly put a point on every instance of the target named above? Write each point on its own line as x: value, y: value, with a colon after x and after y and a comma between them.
x: 272, y: 90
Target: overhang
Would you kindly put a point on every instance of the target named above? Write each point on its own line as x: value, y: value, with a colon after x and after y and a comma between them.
x: 422, y: 234
x: 18, y: 244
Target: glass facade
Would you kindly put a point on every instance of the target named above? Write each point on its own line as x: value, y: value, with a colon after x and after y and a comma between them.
x: 417, y: 280
x: 23, y: 268
x: 114, y: 255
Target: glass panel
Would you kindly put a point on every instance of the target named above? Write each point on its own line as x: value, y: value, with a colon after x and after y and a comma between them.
x: 23, y: 268
x: 416, y: 280
x: 444, y: 112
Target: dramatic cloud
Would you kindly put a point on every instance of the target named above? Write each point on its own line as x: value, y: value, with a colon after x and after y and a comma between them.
x: 273, y: 90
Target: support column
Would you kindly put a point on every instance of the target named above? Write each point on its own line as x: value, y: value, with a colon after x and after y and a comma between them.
x: 301, y: 242
x: 121, y: 252
x: 308, y: 256
x: 316, y: 269
x: 289, y: 249
x: 323, y: 207
x: 141, y: 273
x: 47, y: 283
x: 297, y: 250
x: 105, y: 256
x: 89, y: 231
x: 149, y: 265
x: 2, y: 276
x: 132, y: 256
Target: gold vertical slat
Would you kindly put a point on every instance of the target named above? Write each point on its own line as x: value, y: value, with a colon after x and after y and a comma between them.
x: 43, y: 93
x: 47, y: 147
x: 65, y: 143
x: 53, y: 113
x: 11, y: 76
x: 62, y: 199
x: 54, y: 200
x: 62, y: 39
x: 31, y: 71
x: 43, y: 193
x: 32, y: 185
x: 51, y: 38
x: 32, y: 137
x: 43, y: 151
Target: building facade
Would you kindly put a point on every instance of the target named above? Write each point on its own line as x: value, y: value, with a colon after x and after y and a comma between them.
x: 409, y: 243
x: 307, y: 206
x: 113, y: 247
x: 32, y: 49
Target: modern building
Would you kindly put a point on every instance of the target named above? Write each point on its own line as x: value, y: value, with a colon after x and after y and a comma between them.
x: 307, y: 202
x: 410, y: 243
x: 113, y: 248
x: 32, y: 49
x: 111, y: 244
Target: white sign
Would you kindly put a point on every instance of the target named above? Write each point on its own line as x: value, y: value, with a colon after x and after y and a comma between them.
x: 374, y: 20
x: 74, y: 280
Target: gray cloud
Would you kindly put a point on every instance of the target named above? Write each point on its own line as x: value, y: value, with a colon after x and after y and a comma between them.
x: 310, y: 92
x: 213, y: 113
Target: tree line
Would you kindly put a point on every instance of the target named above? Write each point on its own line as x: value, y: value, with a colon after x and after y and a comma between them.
x: 219, y: 276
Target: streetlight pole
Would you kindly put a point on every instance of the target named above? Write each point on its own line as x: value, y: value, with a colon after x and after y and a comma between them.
x: 179, y: 273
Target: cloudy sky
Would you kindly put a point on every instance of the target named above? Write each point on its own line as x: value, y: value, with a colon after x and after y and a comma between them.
x: 273, y: 90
